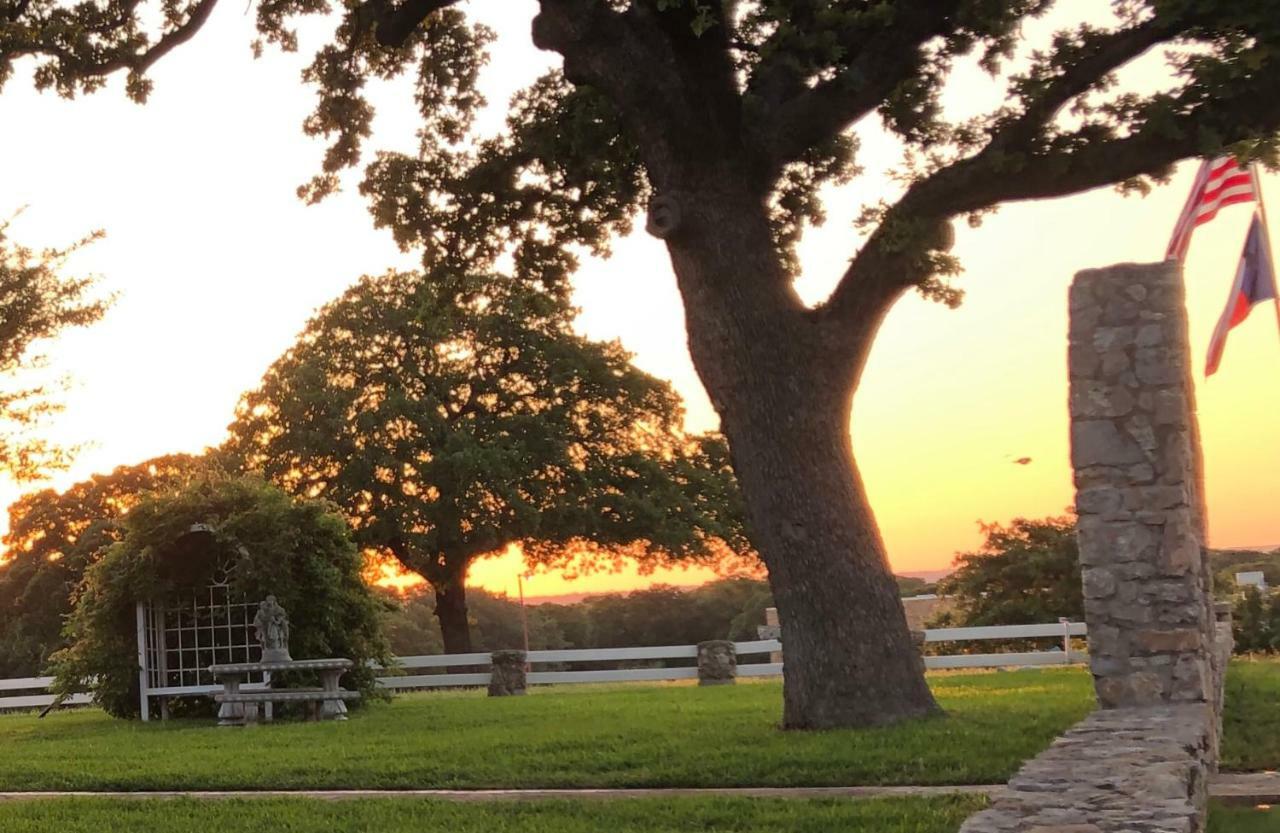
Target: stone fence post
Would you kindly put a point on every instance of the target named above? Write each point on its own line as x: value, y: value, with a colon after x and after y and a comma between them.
x: 717, y: 662
x: 507, y: 673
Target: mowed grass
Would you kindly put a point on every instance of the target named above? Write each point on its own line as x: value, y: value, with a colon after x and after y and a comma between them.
x: 573, y: 736
x: 739, y: 815
x: 1224, y: 818
x: 1251, y: 719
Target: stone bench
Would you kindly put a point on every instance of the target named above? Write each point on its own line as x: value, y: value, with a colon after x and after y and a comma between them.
x: 239, y: 708
x: 315, y: 698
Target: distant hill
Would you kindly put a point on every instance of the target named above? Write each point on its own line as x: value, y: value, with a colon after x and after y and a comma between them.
x: 910, y: 583
x: 927, y: 575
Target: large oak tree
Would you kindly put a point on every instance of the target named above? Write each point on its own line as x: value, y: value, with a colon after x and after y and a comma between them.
x: 450, y: 419
x: 724, y: 118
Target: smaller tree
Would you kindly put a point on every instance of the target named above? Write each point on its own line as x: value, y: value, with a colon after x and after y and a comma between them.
x: 36, y: 303
x: 452, y: 419
x: 1255, y: 621
x: 1026, y: 572
x: 296, y: 549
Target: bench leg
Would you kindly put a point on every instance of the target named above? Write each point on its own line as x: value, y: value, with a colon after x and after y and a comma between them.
x: 251, y: 714
x: 333, y: 709
x: 231, y: 714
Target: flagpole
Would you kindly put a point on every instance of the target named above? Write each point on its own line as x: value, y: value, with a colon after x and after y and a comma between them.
x: 1266, y: 229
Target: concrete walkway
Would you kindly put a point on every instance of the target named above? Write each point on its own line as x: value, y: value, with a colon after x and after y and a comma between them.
x: 1254, y: 788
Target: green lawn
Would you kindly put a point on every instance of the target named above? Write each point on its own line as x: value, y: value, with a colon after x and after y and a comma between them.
x: 600, y: 736
x: 739, y: 815
x: 1233, y: 819
x: 1251, y: 722
x: 573, y: 736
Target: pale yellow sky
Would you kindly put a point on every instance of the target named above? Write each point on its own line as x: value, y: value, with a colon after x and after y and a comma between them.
x: 218, y: 266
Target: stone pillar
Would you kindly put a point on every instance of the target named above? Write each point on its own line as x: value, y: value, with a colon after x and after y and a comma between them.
x: 507, y: 674
x: 717, y: 662
x: 1139, y: 496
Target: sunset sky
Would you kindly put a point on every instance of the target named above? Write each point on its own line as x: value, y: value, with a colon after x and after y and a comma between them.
x: 217, y: 266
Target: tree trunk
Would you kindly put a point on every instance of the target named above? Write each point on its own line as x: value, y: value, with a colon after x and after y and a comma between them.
x: 783, y: 384
x: 848, y: 656
x: 451, y: 612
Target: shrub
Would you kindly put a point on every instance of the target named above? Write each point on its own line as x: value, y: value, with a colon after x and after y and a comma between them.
x: 1255, y: 621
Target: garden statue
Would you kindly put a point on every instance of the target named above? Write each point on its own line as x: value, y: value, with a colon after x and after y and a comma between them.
x: 272, y: 625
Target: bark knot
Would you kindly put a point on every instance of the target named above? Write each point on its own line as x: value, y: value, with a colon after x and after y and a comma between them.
x: 665, y: 215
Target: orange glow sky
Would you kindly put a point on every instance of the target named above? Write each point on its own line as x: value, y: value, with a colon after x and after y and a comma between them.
x: 218, y: 266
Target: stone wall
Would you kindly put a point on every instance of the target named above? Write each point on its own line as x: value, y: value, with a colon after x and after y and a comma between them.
x: 1130, y: 770
x: 1141, y: 763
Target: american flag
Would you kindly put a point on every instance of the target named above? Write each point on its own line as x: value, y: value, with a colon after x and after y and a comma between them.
x: 1219, y: 182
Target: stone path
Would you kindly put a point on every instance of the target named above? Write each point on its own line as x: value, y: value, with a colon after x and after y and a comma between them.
x: 1254, y: 787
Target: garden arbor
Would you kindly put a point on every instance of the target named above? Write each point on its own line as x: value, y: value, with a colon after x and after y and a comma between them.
x: 198, y: 622
x: 179, y: 592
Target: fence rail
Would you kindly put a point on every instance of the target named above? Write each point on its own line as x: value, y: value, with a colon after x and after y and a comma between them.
x: 455, y: 670
x: 405, y: 682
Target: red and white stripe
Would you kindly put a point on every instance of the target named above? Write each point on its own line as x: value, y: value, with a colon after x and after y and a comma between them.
x: 1218, y: 183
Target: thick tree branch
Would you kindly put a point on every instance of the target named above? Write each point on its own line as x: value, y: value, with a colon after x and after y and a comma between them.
x: 77, y: 66
x: 674, y: 90
x: 394, y: 24
x: 798, y: 117
x: 1105, y: 54
x: 168, y: 42
x: 894, y: 258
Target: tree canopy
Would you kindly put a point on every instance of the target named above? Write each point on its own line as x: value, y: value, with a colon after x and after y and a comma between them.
x: 53, y: 537
x: 451, y: 419
x: 37, y: 301
x: 724, y: 119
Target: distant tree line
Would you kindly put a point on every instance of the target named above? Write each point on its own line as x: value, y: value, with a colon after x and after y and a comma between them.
x: 1028, y: 571
x: 729, y: 608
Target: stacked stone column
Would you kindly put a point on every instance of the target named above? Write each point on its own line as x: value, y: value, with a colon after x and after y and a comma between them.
x: 1135, y: 450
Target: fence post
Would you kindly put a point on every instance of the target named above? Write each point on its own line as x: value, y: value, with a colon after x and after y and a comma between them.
x: 144, y: 705
x: 717, y: 662
x: 507, y: 673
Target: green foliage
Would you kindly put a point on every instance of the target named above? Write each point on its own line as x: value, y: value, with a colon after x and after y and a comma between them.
x: 661, y: 615
x: 626, y: 735
x: 1226, y: 563
x: 36, y: 303
x: 451, y: 420
x: 297, y: 549
x: 1255, y: 621
x: 1026, y: 572
x: 771, y: 90
x: 711, y: 814
x: 52, y: 539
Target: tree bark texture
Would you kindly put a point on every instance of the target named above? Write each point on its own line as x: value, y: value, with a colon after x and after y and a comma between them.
x: 783, y: 385
x: 451, y: 612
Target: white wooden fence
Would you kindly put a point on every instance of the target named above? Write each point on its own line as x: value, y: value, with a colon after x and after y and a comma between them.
x: 37, y: 696
x: 32, y: 700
